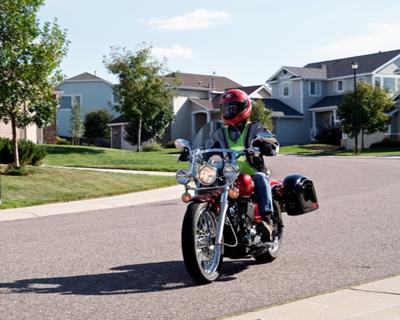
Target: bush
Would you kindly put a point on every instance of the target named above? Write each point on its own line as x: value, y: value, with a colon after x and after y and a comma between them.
x: 62, y: 141
x: 386, y: 143
x: 13, y: 171
x: 151, y: 147
x: 169, y: 145
x: 29, y: 153
x: 96, y: 125
x: 330, y: 136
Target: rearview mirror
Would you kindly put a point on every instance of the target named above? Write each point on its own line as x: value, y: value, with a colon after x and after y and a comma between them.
x: 181, y: 144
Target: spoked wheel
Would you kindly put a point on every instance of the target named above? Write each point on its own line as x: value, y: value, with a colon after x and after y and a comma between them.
x: 277, y: 234
x: 203, y: 259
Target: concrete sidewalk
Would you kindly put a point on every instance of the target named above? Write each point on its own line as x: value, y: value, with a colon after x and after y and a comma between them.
x: 152, y: 173
x: 126, y: 200
x: 372, y: 301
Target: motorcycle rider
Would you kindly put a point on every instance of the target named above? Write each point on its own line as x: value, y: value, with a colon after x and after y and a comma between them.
x: 239, y: 133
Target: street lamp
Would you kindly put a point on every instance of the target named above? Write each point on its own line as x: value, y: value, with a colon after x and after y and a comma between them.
x: 354, y: 66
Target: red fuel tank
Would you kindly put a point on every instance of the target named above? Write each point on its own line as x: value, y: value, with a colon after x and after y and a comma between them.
x: 245, y: 184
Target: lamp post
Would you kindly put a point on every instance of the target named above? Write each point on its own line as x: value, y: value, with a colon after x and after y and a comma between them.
x: 354, y: 66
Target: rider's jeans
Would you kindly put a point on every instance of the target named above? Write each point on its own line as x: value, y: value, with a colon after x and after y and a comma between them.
x: 263, y: 193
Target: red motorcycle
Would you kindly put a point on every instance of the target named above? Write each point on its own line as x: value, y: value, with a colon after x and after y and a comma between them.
x: 222, y: 216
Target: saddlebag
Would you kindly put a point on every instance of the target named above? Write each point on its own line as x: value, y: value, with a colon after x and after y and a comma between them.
x: 299, y: 195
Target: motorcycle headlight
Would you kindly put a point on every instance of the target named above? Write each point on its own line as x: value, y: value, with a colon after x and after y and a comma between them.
x: 183, y: 176
x: 231, y: 171
x: 207, y: 174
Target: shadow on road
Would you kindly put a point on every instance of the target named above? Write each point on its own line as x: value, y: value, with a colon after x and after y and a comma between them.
x: 139, y: 278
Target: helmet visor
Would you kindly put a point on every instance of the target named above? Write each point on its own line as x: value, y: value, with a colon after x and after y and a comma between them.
x: 231, y: 109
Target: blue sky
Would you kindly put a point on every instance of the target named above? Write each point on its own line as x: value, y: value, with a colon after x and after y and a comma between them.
x: 245, y: 40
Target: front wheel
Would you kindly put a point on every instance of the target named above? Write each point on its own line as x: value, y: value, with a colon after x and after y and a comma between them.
x: 203, y: 259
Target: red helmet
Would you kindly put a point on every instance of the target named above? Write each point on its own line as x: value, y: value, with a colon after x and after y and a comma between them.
x: 235, y: 106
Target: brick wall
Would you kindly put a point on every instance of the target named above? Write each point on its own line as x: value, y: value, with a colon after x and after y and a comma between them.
x: 50, y: 134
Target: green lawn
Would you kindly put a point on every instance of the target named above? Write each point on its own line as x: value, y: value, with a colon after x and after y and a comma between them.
x: 73, y: 156
x: 48, y: 185
x: 326, y: 150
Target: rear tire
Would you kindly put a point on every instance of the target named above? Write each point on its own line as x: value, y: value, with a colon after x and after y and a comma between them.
x: 277, y: 235
x: 203, y: 260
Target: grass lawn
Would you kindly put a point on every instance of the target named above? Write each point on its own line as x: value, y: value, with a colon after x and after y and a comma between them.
x: 329, y: 150
x: 76, y: 156
x: 57, y: 185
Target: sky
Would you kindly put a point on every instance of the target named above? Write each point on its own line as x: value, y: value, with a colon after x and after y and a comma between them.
x: 244, y: 40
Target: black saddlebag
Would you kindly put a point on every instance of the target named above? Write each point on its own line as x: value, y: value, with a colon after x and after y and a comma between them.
x: 299, y: 195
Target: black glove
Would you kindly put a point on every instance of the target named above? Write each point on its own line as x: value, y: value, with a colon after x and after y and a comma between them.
x: 184, y: 156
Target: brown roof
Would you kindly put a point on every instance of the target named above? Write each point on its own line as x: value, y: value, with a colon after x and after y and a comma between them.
x: 208, y: 104
x: 86, y: 76
x: 204, y: 81
x: 250, y: 89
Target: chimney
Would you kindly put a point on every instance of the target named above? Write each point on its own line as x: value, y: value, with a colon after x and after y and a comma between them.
x: 95, y: 72
x: 213, y: 81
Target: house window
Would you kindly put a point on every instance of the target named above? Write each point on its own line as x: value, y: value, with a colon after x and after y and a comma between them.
x: 286, y: 88
x: 66, y: 101
x: 315, y: 88
x: 340, y: 85
x: 362, y: 79
x: 389, y: 84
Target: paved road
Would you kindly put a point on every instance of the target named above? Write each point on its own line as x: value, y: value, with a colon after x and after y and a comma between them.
x: 126, y: 263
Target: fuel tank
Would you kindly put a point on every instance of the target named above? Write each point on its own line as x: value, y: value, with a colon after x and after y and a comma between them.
x: 245, y: 184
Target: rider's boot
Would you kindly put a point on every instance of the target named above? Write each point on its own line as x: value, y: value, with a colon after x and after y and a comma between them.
x: 265, y: 227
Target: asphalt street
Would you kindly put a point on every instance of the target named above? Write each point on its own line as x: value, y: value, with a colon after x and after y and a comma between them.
x: 126, y: 263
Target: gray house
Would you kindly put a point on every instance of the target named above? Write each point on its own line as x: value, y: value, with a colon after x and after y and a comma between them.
x: 306, y: 98
x: 90, y: 91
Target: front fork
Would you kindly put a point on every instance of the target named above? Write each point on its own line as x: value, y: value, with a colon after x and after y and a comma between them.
x: 222, y: 217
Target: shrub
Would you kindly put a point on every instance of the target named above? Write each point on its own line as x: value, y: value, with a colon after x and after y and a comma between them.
x: 96, y: 125
x: 169, y: 145
x: 62, y: 141
x: 386, y: 143
x: 151, y: 147
x: 12, y: 171
x: 330, y: 136
x: 29, y: 153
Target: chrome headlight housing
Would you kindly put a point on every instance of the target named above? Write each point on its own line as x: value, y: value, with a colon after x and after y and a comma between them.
x: 183, y: 176
x: 231, y: 171
x: 207, y: 174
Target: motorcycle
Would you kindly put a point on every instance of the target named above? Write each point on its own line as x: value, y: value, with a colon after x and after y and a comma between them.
x: 222, y: 217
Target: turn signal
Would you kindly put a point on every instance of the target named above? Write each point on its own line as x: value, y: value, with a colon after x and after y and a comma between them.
x: 186, y: 197
x: 233, y: 193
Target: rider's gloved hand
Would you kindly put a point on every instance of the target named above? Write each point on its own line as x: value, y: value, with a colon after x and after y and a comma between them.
x: 184, y: 156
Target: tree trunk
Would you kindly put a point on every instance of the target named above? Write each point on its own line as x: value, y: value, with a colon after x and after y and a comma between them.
x: 139, y: 136
x: 356, y: 142
x: 362, y: 139
x: 15, y: 143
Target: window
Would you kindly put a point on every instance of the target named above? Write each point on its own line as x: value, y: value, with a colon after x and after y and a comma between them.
x: 286, y: 88
x: 389, y: 84
x: 340, y: 86
x: 66, y: 101
x: 315, y: 88
x: 362, y: 79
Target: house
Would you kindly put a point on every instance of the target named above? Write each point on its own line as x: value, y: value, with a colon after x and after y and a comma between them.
x: 90, y: 91
x: 307, y: 98
x: 195, y: 104
x: 32, y: 132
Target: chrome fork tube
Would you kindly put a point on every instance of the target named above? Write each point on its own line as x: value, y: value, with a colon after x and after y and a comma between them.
x: 222, y: 215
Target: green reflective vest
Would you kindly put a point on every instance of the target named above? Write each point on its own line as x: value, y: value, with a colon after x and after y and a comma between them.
x: 240, y: 145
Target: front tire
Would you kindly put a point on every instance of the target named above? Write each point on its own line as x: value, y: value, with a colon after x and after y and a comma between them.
x: 203, y: 259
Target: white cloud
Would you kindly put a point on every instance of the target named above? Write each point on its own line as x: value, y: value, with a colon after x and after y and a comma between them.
x: 378, y: 37
x: 175, y: 51
x: 197, y: 19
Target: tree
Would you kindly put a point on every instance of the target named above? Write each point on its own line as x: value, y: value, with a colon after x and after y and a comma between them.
x: 96, y: 124
x: 365, y: 112
x: 76, y: 121
x: 262, y: 114
x: 29, y: 59
x: 143, y: 97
